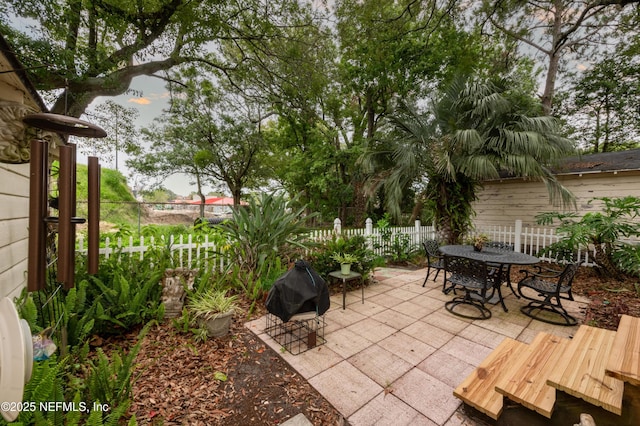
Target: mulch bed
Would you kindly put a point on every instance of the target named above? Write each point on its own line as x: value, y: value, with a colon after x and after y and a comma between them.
x: 233, y: 380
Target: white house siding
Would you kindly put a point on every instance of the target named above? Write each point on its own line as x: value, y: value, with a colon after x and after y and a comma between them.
x: 14, y: 219
x: 502, y: 202
x: 14, y: 196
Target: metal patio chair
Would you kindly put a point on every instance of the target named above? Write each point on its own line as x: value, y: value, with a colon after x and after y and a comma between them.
x: 472, y: 276
x: 551, y: 287
x: 434, y: 259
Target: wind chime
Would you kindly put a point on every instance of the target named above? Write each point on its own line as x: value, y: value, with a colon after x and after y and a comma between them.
x: 65, y: 203
x: 17, y: 346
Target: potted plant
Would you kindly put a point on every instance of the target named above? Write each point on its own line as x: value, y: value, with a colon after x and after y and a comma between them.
x: 345, y: 260
x: 478, y: 241
x: 214, y: 309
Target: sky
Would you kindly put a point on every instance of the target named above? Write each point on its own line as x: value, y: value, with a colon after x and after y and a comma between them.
x: 150, y: 97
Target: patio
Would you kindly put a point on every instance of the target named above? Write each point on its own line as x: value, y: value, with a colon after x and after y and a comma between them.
x: 397, y: 358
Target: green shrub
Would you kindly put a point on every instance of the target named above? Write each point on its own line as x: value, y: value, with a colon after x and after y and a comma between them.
x: 265, y: 229
x: 600, y: 231
x: 396, y: 247
x: 322, y: 257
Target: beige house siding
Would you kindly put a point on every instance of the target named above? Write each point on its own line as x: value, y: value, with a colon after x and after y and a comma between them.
x: 14, y: 193
x: 501, y: 203
x: 14, y: 219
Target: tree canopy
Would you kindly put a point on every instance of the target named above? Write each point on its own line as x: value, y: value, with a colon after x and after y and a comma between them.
x: 77, y: 50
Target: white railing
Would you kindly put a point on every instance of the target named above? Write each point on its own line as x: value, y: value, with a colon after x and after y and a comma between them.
x: 186, y: 251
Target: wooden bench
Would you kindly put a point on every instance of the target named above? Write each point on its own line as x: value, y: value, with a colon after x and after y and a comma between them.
x: 478, y: 389
x: 624, y: 360
x: 526, y: 380
x: 580, y: 371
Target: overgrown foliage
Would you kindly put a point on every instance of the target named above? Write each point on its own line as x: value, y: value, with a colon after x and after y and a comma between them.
x: 601, y: 232
x: 397, y: 247
x: 474, y: 130
x: 322, y: 257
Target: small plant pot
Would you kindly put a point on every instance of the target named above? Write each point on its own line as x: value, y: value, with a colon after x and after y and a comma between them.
x: 220, y: 324
x: 477, y: 247
x: 345, y: 268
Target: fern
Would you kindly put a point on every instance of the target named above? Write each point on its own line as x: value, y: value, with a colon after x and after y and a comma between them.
x: 28, y: 311
x: 45, y: 386
x: 110, y: 380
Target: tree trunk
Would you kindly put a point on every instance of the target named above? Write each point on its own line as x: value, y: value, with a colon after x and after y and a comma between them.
x: 201, y: 194
x: 236, y: 192
x: 416, y: 213
x: 603, y: 259
x: 550, y: 82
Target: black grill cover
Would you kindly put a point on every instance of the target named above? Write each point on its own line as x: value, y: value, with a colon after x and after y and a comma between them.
x: 298, y: 290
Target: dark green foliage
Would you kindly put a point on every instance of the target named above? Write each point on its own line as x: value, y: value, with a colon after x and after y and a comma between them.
x: 46, y: 385
x: 110, y: 380
x: 263, y: 237
x: 266, y: 228
x: 322, y: 262
x: 601, y: 232
x: 397, y: 247
x: 125, y: 292
x: 474, y: 130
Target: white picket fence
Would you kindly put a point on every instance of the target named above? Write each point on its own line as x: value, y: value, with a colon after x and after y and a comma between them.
x: 187, y: 251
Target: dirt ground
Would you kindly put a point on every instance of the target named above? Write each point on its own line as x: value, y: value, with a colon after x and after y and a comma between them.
x: 179, y: 381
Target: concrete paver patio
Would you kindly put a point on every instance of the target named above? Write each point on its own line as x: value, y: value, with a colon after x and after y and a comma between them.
x: 396, y: 359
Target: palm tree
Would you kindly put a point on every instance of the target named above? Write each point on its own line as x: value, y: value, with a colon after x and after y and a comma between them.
x: 473, y: 132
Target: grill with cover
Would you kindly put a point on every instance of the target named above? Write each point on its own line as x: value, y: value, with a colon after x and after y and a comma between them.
x: 296, y: 304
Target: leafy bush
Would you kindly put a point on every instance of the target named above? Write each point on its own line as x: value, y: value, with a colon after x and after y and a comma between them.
x: 396, y: 247
x: 46, y: 385
x: 601, y: 231
x: 265, y: 229
x: 322, y: 258
x: 110, y: 379
x: 262, y: 238
x: 125, y: 293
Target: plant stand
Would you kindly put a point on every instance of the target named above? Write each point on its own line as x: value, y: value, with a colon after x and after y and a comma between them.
x: 346, y: 278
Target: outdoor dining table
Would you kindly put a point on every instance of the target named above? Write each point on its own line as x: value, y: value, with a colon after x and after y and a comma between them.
x: 491, y: 255
x: 502, y: 258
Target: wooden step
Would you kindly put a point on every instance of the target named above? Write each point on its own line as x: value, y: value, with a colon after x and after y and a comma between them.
x: 526, y: 379
x: 581, y: 370
x: 478, y: 389
x: 624, y: 360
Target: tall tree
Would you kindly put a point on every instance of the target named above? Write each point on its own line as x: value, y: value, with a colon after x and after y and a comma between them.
x: 168, y: 151
x: 122, y: 134
x: 605, y: 104
x: 471, y: 132
x: 78, y: 50
x: 558, y: 29
x: 388, y: 50
x: 209, y: 134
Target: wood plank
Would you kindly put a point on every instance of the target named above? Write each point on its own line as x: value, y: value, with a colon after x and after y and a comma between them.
x: 526, y: 382
x: 478, y: 389
x: 624, y: 360
x: 581, y: 371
